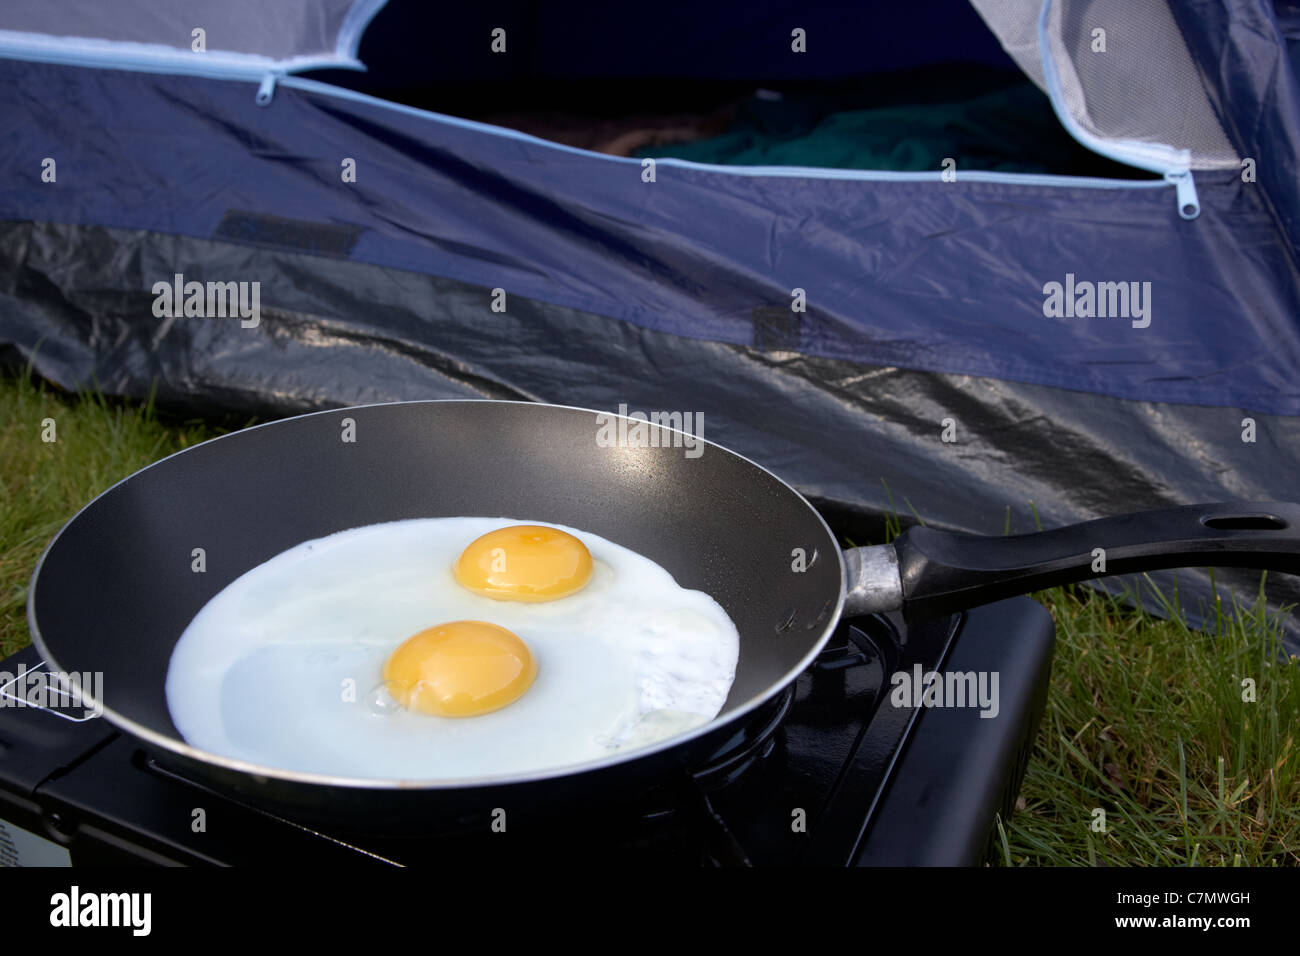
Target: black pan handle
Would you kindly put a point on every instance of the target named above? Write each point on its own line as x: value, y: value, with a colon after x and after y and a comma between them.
x: 945, y: 571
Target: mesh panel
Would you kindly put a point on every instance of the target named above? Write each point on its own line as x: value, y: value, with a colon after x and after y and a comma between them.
x: 280, y: 29
x: 1133, y: 85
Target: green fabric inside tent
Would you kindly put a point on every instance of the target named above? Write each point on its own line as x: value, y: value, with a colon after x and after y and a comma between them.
x: 1012, y: 129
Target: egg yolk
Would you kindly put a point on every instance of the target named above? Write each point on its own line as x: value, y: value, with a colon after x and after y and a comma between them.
x: 460, y: 669
x: 524, y: 563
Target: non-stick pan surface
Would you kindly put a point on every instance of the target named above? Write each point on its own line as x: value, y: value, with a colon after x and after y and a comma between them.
x: 116, y: 588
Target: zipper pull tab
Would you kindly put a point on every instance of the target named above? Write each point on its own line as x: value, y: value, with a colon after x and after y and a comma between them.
x: 266, y: 91
x: 1189, y: 207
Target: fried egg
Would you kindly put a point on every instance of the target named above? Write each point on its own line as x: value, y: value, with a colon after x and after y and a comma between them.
x: 446, y: 649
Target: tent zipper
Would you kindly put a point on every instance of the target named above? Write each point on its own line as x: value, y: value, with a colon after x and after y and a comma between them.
x: 269, y: 74
x: 1189, y: 206
x: 1171, y: 163
x: 266, y: 89
x: 155, y: 58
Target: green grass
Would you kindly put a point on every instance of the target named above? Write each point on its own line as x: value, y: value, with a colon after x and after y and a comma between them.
x: 1145, y: 718
x: 43, y: 484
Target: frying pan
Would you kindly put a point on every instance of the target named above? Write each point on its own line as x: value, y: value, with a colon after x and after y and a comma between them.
x: 115, y: 588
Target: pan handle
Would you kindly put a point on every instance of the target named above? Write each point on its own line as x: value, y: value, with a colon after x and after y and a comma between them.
x: 945, y: 571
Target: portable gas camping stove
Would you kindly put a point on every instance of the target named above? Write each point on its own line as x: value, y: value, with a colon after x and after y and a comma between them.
x: 842, y: 769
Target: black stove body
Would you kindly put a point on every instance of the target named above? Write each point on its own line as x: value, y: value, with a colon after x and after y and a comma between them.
x: 854, y: 765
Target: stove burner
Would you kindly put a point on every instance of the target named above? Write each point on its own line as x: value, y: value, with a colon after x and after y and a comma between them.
x: 749, y: 745
x: 826, y: 772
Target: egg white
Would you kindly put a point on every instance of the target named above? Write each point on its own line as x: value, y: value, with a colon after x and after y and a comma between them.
x: 283, y: 667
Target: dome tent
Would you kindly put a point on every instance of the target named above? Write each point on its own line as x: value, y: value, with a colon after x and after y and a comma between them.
x: 1099, y: 343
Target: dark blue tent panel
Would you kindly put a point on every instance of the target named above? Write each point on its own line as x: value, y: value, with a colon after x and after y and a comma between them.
x: 899, y: 271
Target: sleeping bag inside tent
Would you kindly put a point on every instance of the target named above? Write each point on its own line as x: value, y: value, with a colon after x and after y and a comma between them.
x: 986, y: 264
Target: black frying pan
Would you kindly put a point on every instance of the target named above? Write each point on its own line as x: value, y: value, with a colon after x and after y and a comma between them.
x: 114, y: 589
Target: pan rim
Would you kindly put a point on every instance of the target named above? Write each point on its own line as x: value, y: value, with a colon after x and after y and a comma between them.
x: 261, y: 772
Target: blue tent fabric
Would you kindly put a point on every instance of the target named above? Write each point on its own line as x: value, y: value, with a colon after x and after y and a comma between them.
x: 925, y: 299
x: 928, y: 275
x: 1252, y: 82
